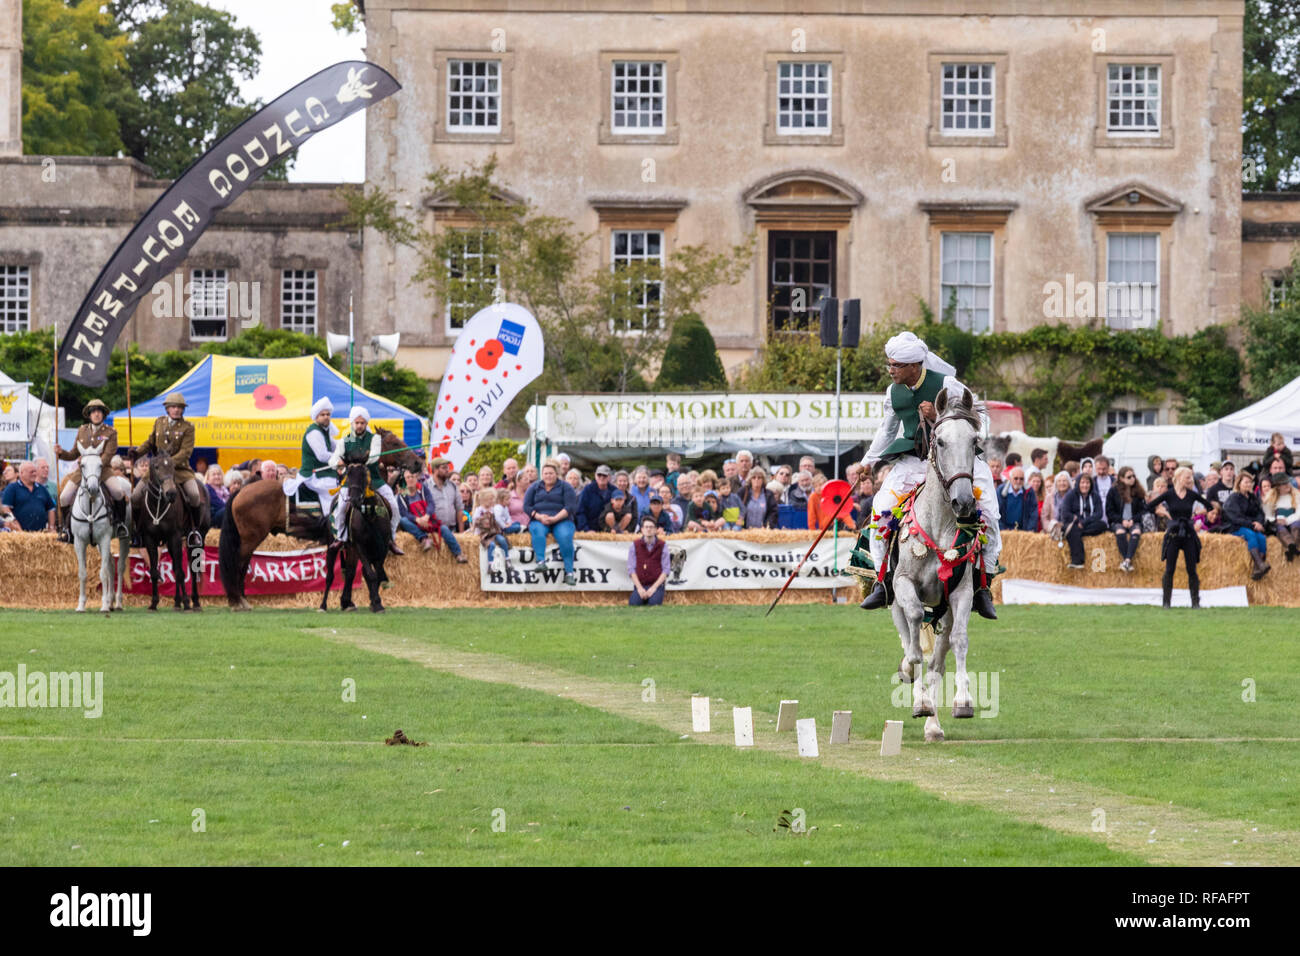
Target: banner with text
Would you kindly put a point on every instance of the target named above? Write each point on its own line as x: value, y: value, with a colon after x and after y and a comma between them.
x: 168, y: 231
x: 686, y: 420
x: 13, y: 412
x: 696, y: 564
x: 270, y: 572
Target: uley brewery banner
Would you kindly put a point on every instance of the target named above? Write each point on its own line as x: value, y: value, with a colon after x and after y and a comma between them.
x: 270, y: 572
x: 13, y: 412
x: 167, y: 232
x: 497, y: 353
x: 675, y: 419
x: 696, y: 564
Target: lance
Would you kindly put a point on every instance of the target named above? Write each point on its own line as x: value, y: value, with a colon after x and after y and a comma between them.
x: 58, y: 509
x: 821, y: 534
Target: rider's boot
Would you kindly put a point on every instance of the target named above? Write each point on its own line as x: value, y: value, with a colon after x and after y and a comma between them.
x: 878, y: 597
x: 65, y: 526
x: 196, y: 519
x: 119, y: 515
x: 983, y: 603
x: 392, y: 546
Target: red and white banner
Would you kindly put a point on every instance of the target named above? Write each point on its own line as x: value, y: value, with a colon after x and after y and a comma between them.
x: 271, y: 572
x: 497, y: 353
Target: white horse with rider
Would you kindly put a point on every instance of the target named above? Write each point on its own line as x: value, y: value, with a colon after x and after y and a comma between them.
x: 92, y: 522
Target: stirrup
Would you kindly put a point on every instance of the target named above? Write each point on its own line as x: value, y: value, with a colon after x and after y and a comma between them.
x: 878, y: 598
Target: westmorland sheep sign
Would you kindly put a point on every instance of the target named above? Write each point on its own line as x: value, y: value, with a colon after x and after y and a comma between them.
x: 168, y: 231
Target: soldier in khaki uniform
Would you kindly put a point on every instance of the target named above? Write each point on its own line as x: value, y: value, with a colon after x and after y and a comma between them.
x: 97, y: 436
x: 173, y: 436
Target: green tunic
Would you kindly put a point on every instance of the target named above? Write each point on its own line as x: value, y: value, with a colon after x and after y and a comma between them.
x: 357, y: 448
x: 311, y: 465
x: 906, y: 402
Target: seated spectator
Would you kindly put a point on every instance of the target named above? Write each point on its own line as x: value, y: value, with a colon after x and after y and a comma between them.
x: 201, y: 467
x: 729, y: 502
x: 1071, y: 468
x: 512, y: 523
x: 1083, y: 515
x: 469, y: 481
x: 1103, y: 477
x: 799, y: 494
x: 757, y: 504
x: 1125, y: 505
x: 486, y: 520
x: 1159, y: 515
x: 1223, y: 489
x: 1034, y: 482
x: 1208, y: 522
x: 550, y: 504
x: 647, y: 565
x: 516, y: 505
x: 1280, y: 475
x: 744, y: 462
x: 415, y: 510
x: 708, y: 480
x: 1018, y: 506
x: 619, y: 516
x: 1207, y: 481
x: 574, y: 478
x: 708, y: 514
x: 530, y: 473
x: 30, y: 504
x: 281, y: 472
x: 623, y: 482
x: 659, y: 486
x: 662, y: 516
x: 777, y: 489
x: 1277, y: 451
x: 485, y: 478
x: 466, y: 503
x: 1279, y: 503
x: 509, y: 474
x: 685, y: 487
x: 592, y: 501
x: 214, y: 478
x: 1051, y: 512
x: 729, y: 471
x: 640, y: 490
x: 1155, y: 469
x: 1243, y: 518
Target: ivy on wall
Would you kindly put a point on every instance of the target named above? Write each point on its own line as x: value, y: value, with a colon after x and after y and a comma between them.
x: 1062, y: 376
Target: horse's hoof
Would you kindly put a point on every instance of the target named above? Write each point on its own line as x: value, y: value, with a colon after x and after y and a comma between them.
x: 196, y: 609
x: 81, y: 610
x: 934, y: 736
x: 904, y: 676
x: 320, y: 610
x: 963, y: 710
x: 922, y: 710
x: 350, y: 607
x: 377, y: 610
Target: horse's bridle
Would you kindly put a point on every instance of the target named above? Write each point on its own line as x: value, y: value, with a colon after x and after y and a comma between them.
x: 934, y: 461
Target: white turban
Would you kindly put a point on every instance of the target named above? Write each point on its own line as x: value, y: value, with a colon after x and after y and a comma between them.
x: 359, y: 411
x: 322, y: 405
x: 905, y: 347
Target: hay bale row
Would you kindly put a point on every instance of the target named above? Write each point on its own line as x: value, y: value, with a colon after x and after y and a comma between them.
x: 40, y: 572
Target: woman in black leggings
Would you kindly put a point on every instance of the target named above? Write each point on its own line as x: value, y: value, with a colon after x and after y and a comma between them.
x: 1180, y: 535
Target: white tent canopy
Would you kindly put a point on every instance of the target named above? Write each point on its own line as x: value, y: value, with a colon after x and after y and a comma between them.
x: 1247, y: 432
x: 40, y: 423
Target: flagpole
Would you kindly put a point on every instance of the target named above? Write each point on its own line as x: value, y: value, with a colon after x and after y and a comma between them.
x: 130, y: 430
x: 352, y: 397
x: 58, y: 511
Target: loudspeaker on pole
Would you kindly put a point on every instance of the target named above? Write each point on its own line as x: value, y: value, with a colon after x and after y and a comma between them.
x: 830, y: 321
x: 852, y: 323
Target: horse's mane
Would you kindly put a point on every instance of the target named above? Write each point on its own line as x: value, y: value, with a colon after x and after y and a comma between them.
x: 971, y: 414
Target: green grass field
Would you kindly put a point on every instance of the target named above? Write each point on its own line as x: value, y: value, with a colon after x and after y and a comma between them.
x: 1134, y: 711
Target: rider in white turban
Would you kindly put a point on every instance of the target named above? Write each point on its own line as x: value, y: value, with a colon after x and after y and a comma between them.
x: 919, y: 375
x: 318, y: 444
x: 359, y: 440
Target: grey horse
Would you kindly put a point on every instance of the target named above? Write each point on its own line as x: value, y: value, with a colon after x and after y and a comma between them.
x: 946, y: 498
x: 92, y: 523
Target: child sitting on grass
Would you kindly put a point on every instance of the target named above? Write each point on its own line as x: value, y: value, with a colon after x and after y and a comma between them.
x: 486, y: 519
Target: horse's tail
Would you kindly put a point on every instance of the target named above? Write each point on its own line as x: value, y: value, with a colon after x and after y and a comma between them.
x: 228, y: 548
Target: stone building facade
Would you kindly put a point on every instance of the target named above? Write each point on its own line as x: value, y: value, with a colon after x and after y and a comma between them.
x: 905, y: 148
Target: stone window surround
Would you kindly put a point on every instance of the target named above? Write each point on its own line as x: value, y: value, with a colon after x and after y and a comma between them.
x: 771, y: 134
x: 605, y: 134
x: 1102, y: 138
x: 935, y: 136
x: 441, y: 134
x: 658, y: 215
x: 1108, y: 218
x: 32, y: 260
x: 984, y: 217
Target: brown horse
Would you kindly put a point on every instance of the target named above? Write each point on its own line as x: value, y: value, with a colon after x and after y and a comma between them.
x: 367, y: 542
x: 165, y: 520
x: 261, y: 508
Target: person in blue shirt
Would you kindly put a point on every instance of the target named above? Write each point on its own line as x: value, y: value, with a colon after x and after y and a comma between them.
x: 550, y: 505
x: 592, y: 501
x: 1018, y: 504
x: 29, y: 501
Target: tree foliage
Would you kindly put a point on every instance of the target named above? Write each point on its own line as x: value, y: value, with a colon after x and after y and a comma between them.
x: 1271, y: 95
x: 1062, y: 376
x: 74, y: 74
x: 691, y: 359
x: 1272, y: 336
x: 599, y: 338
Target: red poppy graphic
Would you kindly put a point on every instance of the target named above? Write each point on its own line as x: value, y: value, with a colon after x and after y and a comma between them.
x: 491, y: 352
x: 268, y: 398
